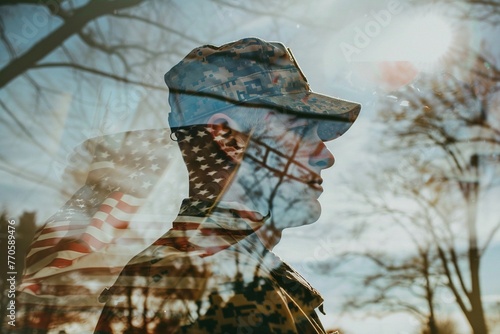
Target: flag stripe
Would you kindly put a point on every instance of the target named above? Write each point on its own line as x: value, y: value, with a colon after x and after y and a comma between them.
x: 60, y: 243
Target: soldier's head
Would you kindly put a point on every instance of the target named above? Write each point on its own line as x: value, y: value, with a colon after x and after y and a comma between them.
x: 251, y: 130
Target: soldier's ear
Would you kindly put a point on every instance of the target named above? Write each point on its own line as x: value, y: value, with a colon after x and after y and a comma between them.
x: 225, y: 133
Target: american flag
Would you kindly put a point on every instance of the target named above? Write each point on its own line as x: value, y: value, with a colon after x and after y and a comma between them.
x: 128, y: 199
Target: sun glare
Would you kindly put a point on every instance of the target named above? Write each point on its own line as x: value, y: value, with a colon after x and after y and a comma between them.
x: 420, y: 41
x: 430, y: 39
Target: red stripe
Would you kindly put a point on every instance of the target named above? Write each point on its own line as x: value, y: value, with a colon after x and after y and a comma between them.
x: 117, y: 223
x: 251, y: 215
x: 63, y: 228
x: 83, y: 242
x: 177, y: 242
x: 45, y: 243
x: 33, y: 288
x: 96, y: 222
x: 125, y: 207
x: 220, y: 231
x: 70, y: 244
x: 212, y: 250
x: 106, y: 208
x: 60, y: 263
x: 185, y: 226
x: 116, y: 195
x: 92, y: 241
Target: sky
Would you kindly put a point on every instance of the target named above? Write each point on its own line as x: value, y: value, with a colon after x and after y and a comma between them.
x: 357, y: 50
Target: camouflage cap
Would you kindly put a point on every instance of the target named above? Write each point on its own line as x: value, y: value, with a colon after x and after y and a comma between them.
x: 250, y: 72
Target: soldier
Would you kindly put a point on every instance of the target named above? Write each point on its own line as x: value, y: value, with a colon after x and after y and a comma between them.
x: 252, y: 135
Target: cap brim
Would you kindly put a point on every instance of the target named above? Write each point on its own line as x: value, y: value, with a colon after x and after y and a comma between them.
x: 336, y: 115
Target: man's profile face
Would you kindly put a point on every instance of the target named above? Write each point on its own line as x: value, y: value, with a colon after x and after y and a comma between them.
x: 287, y: 158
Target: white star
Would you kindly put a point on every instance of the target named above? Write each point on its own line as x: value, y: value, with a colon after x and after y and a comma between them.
x: 154, y: 167
x: 196, y: 149
x: 146, y: 185
x: 152, y: 157
x: 201, y: 134
x: 202, y: 192
x: 211, y: 173
x: 218, y: 179
x: 203, y: 167
x: 219, y: 161
x: 188, y: 138
x: 198, y: 185
x: 104, y: 154
x: 200, y: 159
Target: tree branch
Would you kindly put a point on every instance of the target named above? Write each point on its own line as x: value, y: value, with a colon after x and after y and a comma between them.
x: 101, y: 73
x: 490, y: 238
x: 79, y: 19
x: 5, y: 40
x: 157, y: 25
x: 451, y: 285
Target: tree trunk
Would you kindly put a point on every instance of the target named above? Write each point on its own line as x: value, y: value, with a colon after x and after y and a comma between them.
x: 476, y: 315
x: 431, y: 322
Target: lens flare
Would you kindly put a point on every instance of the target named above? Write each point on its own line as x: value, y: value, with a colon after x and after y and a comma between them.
x: 430, y: 39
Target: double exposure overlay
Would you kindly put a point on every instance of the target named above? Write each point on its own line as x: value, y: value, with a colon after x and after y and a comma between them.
x: 252, y: 136
x: 168, y: 167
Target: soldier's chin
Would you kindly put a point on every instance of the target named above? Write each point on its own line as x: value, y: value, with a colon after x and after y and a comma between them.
x: 315, y: 211
x: 300, y: 214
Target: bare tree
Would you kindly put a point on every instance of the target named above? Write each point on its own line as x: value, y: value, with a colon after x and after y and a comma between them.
x: 408, y: 281
x: 63, y: 50
x: 443, y: 139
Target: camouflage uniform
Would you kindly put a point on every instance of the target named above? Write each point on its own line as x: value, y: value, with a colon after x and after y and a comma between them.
x: 210, y: 274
